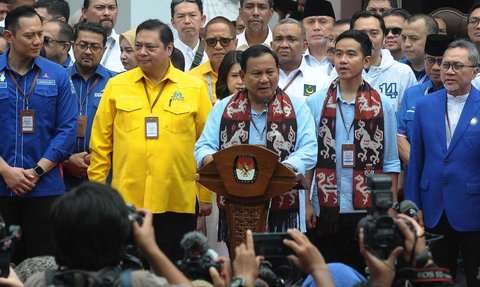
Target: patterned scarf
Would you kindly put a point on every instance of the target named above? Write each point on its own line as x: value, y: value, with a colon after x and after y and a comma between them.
x: 368, y: 128
x: 281, y: 135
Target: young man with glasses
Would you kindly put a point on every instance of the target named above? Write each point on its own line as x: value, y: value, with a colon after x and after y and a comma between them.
x: 394, y: 20
x: 188, y: 19
x: 39, y: 122
x: 219, y: 39
x: 89, y: 78
x: 443, y: 169
x: 57, y: 40
x: 144, y: 132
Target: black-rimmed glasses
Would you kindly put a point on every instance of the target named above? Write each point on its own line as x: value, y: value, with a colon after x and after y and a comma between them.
x: 456, y: 67
x: 48, y: 40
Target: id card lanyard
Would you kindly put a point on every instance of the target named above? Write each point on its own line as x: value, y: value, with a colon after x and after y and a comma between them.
x: 27, y: 116
x: 82, y: 118
x: 348, y: 150
x: 151, y: 122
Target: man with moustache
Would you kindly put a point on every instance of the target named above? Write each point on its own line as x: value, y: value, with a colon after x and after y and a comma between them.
x: 443, y: 170
x: 188, y: 19
x: 394, y: 20
x: 255, y: 14
x: 380, y: 6
x: 39, y: 120
x: 318, y: 20
x: 219, y: 39
x: 89, y: 78
x: 144, y: 131
x: 105, y: 12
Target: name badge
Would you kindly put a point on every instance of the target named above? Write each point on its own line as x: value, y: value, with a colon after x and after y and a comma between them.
x: 348, y: 155
x: 82, y: 126
x: 151, y: 127
x: 27, y: 119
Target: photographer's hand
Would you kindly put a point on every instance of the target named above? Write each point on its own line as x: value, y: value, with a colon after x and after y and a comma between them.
x: 382, y: 272
x: 223, y: 278
x: 308, y: 258
x: 415, y: 243
x: 159, y: 263
x: 246, y: 265
x: 12, y: 280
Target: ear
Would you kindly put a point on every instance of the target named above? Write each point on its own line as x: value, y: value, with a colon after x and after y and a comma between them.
x: 84, y: 13
x: 236, y: 42
x: 8, y: 36
x: 367, y: 62
x: 170, y: 49
x: 173, y: 23
x: 204, y: 19
x: 63, y: 19
x: 305, y: 46
x: 66, y: 48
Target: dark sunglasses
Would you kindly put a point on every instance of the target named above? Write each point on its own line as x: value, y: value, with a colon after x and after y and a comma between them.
x: 48, y: 40
x: 395, y: 31
x: 212, y: 42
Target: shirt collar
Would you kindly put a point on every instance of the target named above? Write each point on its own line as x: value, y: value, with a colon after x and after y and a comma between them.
x: 172, y: 74
x: 100, y: 70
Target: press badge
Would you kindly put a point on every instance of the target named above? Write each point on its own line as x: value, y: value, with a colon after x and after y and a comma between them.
x: 151, y: 127
x: 348, y: 155
x: 27, y: 119
x: 82, y: 126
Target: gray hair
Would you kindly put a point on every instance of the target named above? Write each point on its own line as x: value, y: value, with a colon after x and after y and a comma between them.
x: 473, y: 55
x: 293, y: 21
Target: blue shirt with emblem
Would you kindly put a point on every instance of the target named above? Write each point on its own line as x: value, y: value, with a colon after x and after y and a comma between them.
x: 55, y: 122
x: 87, y: 104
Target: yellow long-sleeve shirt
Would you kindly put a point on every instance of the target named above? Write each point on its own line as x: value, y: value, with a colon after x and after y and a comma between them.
x: 158, y: 174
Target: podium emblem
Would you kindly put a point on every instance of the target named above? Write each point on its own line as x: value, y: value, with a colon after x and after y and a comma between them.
x: 245, y: 168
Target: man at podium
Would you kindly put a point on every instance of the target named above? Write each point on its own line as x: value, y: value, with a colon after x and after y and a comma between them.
x: 262, y: 114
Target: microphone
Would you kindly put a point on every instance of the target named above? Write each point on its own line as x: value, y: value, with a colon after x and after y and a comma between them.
x: 409, y: 208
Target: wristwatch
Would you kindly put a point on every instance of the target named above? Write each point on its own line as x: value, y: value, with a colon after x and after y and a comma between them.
x: 38, y: 170
x: 240, y: 282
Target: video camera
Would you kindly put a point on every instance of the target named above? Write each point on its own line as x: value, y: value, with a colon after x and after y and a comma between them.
x: 381, y: 234
x: 7, y: 240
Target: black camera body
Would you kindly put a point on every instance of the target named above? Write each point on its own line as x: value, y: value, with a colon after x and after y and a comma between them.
x: 381, y: 234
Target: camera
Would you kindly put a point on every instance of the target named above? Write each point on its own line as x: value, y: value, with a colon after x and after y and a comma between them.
x: 381, y: 234
x: 7, y: 240
x: 133, y: 215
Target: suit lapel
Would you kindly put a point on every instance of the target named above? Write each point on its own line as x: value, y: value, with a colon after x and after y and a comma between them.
x: 469, y: 110
x: 439, y: 119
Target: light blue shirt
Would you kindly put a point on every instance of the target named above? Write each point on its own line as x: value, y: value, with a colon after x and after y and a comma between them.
x: 345, y: 175
x: 303, y: 158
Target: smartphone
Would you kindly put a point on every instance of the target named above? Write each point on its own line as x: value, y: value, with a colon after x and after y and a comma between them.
x: 271, y: 244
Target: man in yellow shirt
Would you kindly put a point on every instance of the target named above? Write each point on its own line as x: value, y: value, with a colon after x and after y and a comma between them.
x: 148, y: 121
x: 219, y: 39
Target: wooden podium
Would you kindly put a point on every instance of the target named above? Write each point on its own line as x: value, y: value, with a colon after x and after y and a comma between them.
x: 248, y: 176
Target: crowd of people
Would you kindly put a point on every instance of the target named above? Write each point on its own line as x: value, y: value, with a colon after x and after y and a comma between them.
x: 339, y: 100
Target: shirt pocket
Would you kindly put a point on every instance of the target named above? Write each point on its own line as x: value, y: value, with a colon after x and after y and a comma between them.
x: 128, y: 115
x: 46, y: 107
x: 410, y: 115
x: 177, y: 117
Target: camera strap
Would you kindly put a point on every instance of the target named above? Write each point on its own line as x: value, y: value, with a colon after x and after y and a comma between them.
x: 425, y: 275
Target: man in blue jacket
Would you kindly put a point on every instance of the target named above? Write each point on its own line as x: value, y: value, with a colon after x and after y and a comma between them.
x: 38, y: 121
x: 443, y: 173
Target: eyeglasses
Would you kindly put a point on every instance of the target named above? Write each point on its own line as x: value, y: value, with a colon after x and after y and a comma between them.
x: 83, y: 46
x: 456, y: 67
x: 431, y: 61
x: 378, y: 11
x: 48, y: 40
x: 212, y: 42
x: 395, y: 31
x: 473, y: 21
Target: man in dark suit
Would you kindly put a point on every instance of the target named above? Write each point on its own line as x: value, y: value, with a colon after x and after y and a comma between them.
x: 443, y: 174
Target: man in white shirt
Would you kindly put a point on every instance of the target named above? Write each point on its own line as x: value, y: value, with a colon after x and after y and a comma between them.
x: 105, y: 12
x: 318, y: 20
x: 188, y: 19
x: 297, y: 79
x: 255, y: 14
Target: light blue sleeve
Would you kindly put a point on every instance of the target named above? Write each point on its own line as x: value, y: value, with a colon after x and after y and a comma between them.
x: 208, y: 143
x: 391, y: 161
